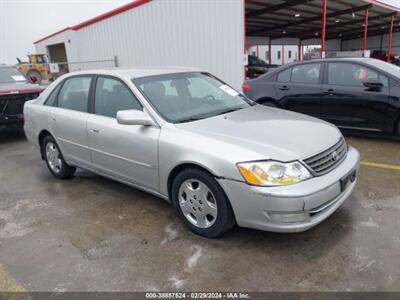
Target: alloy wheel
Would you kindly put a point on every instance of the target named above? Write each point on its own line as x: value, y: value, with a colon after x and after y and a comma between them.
x: 197, y: 203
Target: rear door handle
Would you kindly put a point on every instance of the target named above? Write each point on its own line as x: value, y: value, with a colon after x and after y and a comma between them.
x: 95, y: 130
x: 53, y: 119
x: 284, y: 88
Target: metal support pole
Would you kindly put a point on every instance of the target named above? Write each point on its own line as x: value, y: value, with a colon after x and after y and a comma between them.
x: 365, y: 36
x: 283, y: 55
x: 390, y: 39
x: 269, y: 52
x: 299, y: 51
x: 323, y: 28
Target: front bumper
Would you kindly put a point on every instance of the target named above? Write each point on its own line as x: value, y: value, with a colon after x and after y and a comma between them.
x: 292, y: 208
x: 11, y: 122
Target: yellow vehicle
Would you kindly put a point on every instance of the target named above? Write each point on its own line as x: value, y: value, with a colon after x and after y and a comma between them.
x: 37, y: 67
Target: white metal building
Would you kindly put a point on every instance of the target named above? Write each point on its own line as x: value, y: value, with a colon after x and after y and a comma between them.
x: 206, y: 34
x: 280, y: 55
x: 214, y: 34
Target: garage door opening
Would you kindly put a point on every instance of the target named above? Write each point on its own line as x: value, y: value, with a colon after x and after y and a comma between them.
x: 58, y: 54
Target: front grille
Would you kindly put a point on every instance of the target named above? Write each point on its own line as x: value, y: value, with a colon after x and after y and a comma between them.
x: 14, y: 104
x: 327, y: 160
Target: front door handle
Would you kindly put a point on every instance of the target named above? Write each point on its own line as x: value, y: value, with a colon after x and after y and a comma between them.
x: 53, y: 119
x: 284, y: 88
x: 95, y: 130
x: 329, y: 92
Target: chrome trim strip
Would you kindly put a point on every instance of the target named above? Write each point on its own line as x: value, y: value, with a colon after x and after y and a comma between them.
x: 359, y: 128
x: 109, y: 154
x: 123, y: 158
x: 73, y: 143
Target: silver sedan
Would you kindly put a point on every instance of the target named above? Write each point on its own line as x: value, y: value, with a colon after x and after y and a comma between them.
x: 187, y: 137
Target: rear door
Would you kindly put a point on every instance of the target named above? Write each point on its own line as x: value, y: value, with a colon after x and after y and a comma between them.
x: 299, y: 88
x: 128, y: 152
x: 68, y: 119
x: 348, y: 103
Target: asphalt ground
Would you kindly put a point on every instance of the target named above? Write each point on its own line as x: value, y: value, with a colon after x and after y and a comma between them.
x: 92, y: 234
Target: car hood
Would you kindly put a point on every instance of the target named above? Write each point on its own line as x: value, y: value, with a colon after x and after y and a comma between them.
x: 19, y: 88
x: 271, y: 133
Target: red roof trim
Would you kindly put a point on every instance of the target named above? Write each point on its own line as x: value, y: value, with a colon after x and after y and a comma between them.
x: 53, y: 34
x: 99, y: 18
x: 385, y: 5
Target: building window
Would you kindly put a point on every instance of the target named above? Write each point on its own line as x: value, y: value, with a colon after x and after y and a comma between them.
x: 254, y: 53
x: 279, y: 54
x: 290, y: 54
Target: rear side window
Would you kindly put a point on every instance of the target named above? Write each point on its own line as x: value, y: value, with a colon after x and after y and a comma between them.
x: 353, y: 75
x: 52, y: 98
x: 308, y: 73
x: 284, y: 76
x: 112, y: 96
x: 74, y: 93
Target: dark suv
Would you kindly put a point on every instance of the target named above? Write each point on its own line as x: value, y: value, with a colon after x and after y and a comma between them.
x: 257, y: 67
x: 15, y: 90
x: 360, y: 94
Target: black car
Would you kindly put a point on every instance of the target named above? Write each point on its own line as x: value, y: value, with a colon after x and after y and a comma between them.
x: 257, y: 67
x: 353, y: 93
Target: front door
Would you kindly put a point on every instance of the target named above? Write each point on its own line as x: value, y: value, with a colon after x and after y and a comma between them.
x: 127, y: 152
x: 350, y: 104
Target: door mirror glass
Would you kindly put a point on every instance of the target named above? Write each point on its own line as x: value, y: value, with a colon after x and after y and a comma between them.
x: 134, y: 117
x: 373, y: 84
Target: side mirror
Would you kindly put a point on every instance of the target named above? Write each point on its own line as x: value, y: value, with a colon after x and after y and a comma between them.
x: 373, y: 85
x: 134, y: 117
x: 33, y: 79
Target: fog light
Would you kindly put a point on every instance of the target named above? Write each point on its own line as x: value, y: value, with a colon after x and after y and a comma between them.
x: 289, y: 217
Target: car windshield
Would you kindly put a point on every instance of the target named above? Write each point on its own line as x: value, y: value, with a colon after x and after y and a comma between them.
x: 389, y: 68
x: 186, y: 97
x: 11, y: 75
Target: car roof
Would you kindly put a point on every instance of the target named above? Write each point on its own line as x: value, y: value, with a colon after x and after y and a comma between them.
x: 355, y: 59
x: 138, y: 72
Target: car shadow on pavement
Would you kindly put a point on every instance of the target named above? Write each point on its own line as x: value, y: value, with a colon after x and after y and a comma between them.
x: 314, y: 241
x: 12, y: 136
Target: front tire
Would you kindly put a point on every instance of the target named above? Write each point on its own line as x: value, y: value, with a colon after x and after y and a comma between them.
x: 54, y: 160
x: 201, y: 203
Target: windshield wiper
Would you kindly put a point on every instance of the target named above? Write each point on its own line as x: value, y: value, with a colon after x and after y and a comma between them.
x: 188, y: 120
x: 229, y: 110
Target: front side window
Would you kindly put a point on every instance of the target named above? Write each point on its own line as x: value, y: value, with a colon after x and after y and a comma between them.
x: 349, y: 74
x: 308, y: 73
x: 185, y: 97
x: 74, y: 93
x: 112, y: 96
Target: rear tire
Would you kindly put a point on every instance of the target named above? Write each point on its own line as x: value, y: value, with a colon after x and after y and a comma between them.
x: 398, y: 128
x: 201, y: 203
x: 54, y: 160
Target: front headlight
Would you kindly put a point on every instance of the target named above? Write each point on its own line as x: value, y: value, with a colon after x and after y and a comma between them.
x: 273, y: 173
